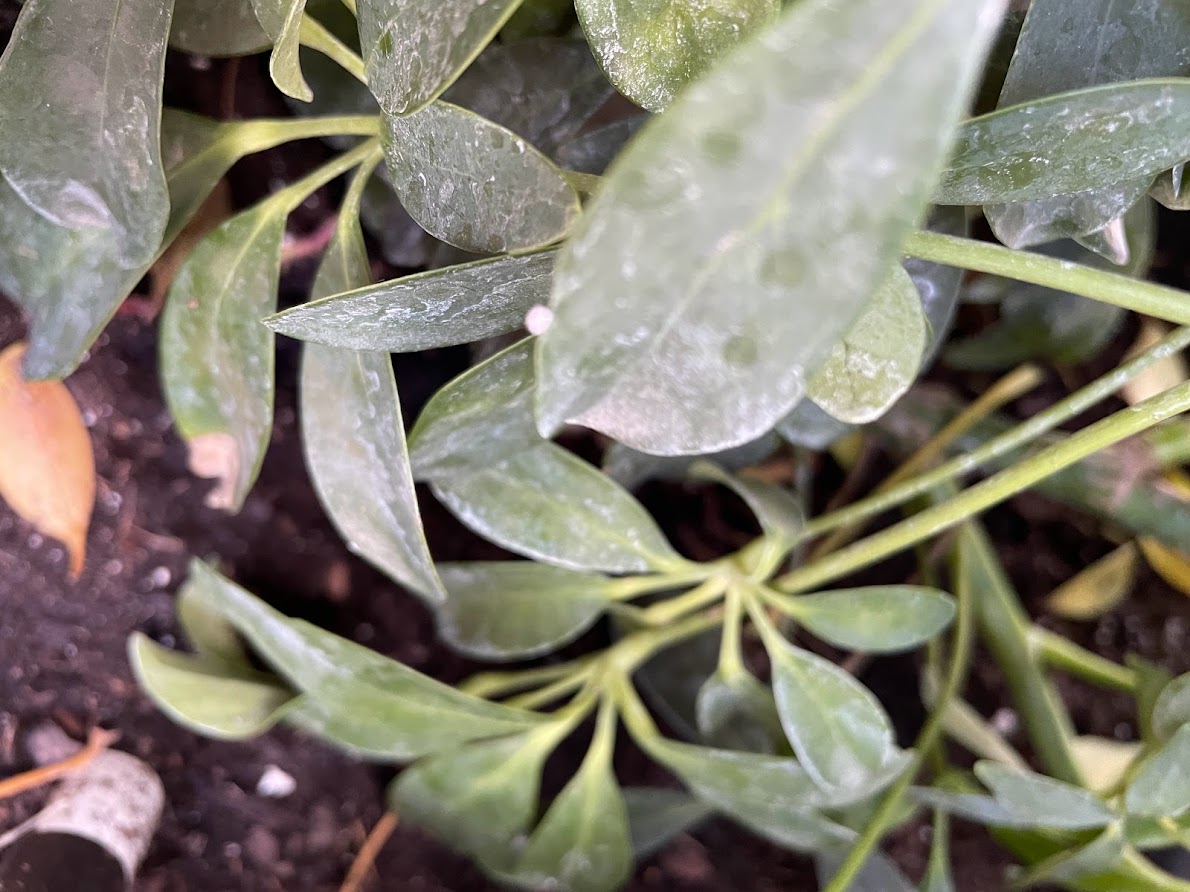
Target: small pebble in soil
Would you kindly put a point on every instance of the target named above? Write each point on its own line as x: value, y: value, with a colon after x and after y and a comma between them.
x: 275, y: 783
x: 1004, y: 720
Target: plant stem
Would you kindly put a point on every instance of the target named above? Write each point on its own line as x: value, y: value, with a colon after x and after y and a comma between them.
x: 316, y: 37
x: 628, y: 587
x: 1024, y: 266
x: 1059, y: 653
x: 294, y: 194
x: 990, y: 492
x: 928, y: 738
x: 698, y: 597
x: 551, y: 692
x: 731, y: 659
x: 495, y: 684
x: 267, y: 133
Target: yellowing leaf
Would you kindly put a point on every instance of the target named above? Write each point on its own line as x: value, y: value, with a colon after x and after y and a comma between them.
x: 1103, y: 761
x: 47, y: 469
x: 1098, y: 588
x: 1160, y: 376
x: 1171, y: 565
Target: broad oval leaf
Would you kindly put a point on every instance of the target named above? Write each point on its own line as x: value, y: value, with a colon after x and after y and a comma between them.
x: 354, y: 436
x: 879, y: 356
x: 216, y: 358
x: 474, y: 184
x: 204, y: 695
x: 550, y: 505
x: 973, y: 807
x: 354, y: 696
x: 282, y: 21
x: 1068, y: 143
x: 1042, y: 801
x: 1172, y: 707
x: 594, y: 150
x: 414, y: 49
x: 217, y: 28
x: 879, y: 619
x: 47, y: 466
x: 651, y: 50
x: 516, y: 609
x: 702, y: 287
x: 438, y: 308
x: 738, y: 712
x: 1161, y: 786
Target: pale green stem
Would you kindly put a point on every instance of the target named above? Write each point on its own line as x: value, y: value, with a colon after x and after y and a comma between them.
x: 496, y: 684
x: 731, y: 658
x: 316, y: 37
x: 267, y: 133
x: 1059, y: 653
x: 629, y: 587
x: 700, y: 596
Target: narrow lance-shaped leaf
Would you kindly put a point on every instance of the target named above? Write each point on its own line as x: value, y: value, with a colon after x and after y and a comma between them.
x: 439, y: 308
x: 83, y: 203
x: 414, y: 49
x: 879, y: 618
x: 650, y: 51
x: 217, y: 28
x: 282, y: 21
x: 1043, y: 801
x: 703, y: 287
x: 353, y: 433
x: 474, y: 184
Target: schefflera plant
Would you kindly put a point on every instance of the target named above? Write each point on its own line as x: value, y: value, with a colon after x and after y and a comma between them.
x: 749, y: 267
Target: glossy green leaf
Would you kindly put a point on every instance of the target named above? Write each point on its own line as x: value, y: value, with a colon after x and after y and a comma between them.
x: 550, y: 505
x: 211, y: 636
x: 474, y: 184
x: 879, y: 619
x: 839, y: 730
x: 439, y: 308
x: 1100, y: 134
x: 1043, y: 801
x: 770, y: 795
x: 701, y: 288
x: 1171, y: 189
x: 1161, y: 786
x: 516, y: 609
x: 1068, y: 44
x: 939, y: 285
x: 354, y: 696
x: 594, y: 150
x: 582, y: 843
x: 414, y: 49
x: 480, y: 798
x: 738, y: 712
x: 878, y: 873
x: 354, y: 436
x: 1097, y: 857
x: 216, y: 358
x: 205, y: 695
x: 809, y: 426
x: 1172, y: 708
x: 879, y: 356
x: 83, y: 202
x: 650, y: 51
x: 630, y: 468
x: 778, y: 511
x: 658, y: 814
x: 217, y: 28
x: 282, y: 21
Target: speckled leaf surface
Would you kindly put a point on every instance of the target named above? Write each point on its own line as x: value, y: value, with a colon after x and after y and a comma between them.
x: 354, y: 436
x: 474, y: 184
x: 216, y: 358
x: 1068, y: 44
x: 878, y: 358
x: 282, y: 21
x: 217, y: 28
x: 439, y: 308
x: 83, y: 200
x: 702, y: 286
x: 651, y: 50
x: 414, y: 49
x: 550, y: 505
x: 876, y: 619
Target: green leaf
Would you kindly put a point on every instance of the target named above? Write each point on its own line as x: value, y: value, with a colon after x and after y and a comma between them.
x: 216, y: 28
x: 1172, y: 708
x: 480, y: 798
x: 1101, y: 134
x: 1099, y: 856
x: 878, y: 873
x: 809, y: 426
x: 973, y: 807
x: 474, y: 184
x: 878, y: 358
x: 211, y: 636
x: 938, y: 878
x: 354, y: 436
x: 550, y: 505
x: 216, y: 358
x: 1161, y: 787
x: 658, y: 814
x: 702, y: 288
x: 594, y: 150
x: 516, y: 609
x: 196, y: 152
x: 414, y: 49
x: 778, y: 511
x: 650, y: 51
x: 738, y: 712
x: 282, y: 21
x: 354, y: 696
x: 1068, y: 44
x: 438, y: 308
x: 631, y: 468
x: 205, y: 695
x: 1042, y: 801
x: 879, y: 619
x: 939, y: 285
x: 838, y: 729
x: 1170, y: 190
x: 83, y: 203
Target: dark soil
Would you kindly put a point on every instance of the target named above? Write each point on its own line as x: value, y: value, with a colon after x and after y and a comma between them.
x: 62, y: 644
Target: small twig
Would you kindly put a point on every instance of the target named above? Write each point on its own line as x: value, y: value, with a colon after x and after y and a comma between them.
x: 368, y: 851
x: 97, y: 741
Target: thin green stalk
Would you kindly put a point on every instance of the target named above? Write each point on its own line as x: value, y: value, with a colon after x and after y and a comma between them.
x: 547, y: 694
x: 267, y: 133
x: 316, y: 37
x: 697, y: 598
x: 984, y: 495
x: 731, y: 658
x: 1021, y: 435
x: 1024, y: 266
x: 1059, y: 653
x: 628, y: 587
x: 294, y: 194
x: 930, y: 734
x: 496, y: 684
